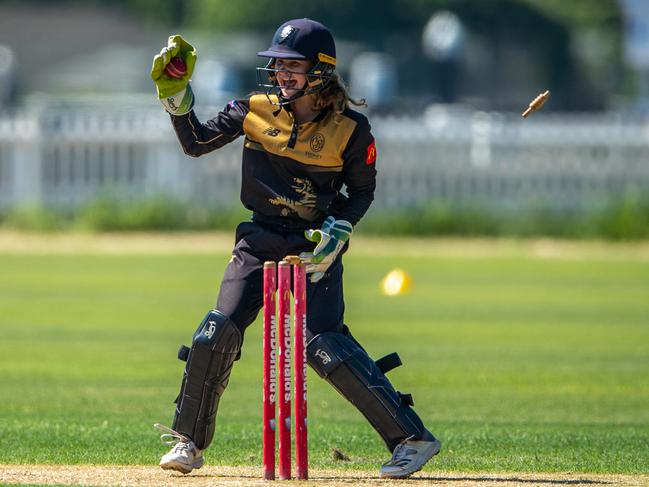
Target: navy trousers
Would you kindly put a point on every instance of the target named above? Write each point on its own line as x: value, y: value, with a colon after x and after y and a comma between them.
x: 241, y: 293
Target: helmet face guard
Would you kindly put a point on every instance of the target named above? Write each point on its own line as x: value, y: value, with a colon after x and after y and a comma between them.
x: 317, y: 78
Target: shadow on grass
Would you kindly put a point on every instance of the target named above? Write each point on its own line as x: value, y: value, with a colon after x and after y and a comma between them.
x: 514, y: 479
x: 351, y: 479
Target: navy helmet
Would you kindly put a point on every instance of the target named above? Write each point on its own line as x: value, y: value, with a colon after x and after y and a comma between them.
x: 300, y: 39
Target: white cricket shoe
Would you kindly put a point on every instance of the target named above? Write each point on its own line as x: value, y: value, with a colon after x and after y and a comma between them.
x: 409, y: 457
x: 184, y: 456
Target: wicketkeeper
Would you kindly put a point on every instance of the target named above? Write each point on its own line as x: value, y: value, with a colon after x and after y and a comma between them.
x: 302, y: 144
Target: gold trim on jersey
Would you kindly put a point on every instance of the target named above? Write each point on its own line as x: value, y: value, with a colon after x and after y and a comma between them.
x: 318, y: 144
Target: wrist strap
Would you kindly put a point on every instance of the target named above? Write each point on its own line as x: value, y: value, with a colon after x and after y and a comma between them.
x: 181, y: 103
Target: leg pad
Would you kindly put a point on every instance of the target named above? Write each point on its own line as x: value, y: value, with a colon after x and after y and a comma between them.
x: 215, y: 346
x: 340, y: 360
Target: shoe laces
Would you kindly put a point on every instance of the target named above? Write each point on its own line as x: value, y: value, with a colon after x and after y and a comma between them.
x: 172, y: 437
x: 401, y: 451
x: 182, y: 447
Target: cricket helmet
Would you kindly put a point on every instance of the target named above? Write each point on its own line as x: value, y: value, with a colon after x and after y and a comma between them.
x: 300, y: 39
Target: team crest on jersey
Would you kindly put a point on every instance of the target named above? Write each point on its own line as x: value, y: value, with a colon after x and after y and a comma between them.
x: 317, y: 142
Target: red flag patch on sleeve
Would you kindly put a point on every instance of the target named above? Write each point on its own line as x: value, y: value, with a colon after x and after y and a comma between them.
x: 371, y: 153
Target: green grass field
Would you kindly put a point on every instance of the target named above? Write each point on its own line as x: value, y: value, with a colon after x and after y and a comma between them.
x: 518, y: 363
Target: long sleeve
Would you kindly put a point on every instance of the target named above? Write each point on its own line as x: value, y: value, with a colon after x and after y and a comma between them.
x: 359, y: 173
x: 198, y: 138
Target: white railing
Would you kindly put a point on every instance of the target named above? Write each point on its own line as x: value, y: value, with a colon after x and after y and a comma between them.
x: 66, y: 158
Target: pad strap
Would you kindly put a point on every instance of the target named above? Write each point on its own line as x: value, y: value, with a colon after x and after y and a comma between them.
x: 389, y: 362
x: 183, y: 353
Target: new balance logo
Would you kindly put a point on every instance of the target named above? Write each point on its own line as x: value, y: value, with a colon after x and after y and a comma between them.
x: 272, y: 131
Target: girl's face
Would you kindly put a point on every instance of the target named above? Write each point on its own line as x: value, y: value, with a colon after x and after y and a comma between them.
x: 291, y: 75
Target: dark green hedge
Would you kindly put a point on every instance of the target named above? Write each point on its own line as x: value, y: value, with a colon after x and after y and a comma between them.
x: 627, y: 219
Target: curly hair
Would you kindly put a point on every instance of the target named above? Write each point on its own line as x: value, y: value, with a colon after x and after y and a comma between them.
x: 336, y: 95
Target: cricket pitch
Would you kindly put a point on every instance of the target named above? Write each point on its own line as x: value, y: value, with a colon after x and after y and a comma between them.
x: 152, y: 476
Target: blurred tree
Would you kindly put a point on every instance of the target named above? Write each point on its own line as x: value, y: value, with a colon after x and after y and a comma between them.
x: 355, y: 19
x: 167, y: 12
x: 572, y: 46
x: 584, y: 13
x: 553, y: 33
x: 349, y: 18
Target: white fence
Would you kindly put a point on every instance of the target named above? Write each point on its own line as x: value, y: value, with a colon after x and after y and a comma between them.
x: 558, y: 162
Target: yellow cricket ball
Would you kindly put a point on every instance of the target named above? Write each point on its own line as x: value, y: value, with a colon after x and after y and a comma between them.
x: 396, y: 282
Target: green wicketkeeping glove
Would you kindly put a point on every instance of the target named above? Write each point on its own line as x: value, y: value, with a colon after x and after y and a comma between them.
x: 175, y: 94
x: 330, y: 240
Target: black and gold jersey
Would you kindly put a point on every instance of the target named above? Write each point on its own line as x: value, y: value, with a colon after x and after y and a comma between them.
x: 292, y: 175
